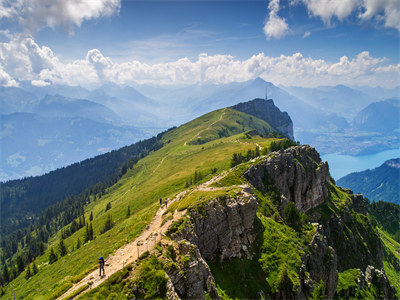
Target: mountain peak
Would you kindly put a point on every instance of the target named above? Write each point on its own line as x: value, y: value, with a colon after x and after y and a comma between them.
x: 394, y: 163
x: 268, y: 112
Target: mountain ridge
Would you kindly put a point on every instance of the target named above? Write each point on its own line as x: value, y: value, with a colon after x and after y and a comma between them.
x: 285, y: 257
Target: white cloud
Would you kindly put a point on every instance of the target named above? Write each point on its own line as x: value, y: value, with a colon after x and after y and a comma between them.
x: 379, y: 11
x: 306, y: 34
x: 276, y: 27
x: 22, y: 59
x: 387, y: 10
x: 37, y: 14
x: 326, y: 9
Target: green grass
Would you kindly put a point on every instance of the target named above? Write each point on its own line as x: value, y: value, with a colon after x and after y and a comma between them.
x: 282, y: 246
x: 391, y: 261
x: 161, y: 174
x: 239, y: 279
x: 347, y: 280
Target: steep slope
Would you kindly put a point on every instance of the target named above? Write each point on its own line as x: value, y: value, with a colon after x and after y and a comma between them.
x: 382, y: 183
x: 240, y: 232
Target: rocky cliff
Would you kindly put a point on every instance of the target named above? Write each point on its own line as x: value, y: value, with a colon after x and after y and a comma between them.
x: 223, y: 228
x: 297, y: 172
x: 267, y: 111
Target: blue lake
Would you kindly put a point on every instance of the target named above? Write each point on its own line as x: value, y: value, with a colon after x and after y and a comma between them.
x: 341, y: 165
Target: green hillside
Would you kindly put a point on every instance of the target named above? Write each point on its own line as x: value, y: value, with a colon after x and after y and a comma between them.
x: 224, y: 177
x: 161, y: 174
x: 381, y: 183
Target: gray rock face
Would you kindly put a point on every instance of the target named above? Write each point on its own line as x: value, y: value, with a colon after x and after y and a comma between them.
x: 267, y: 111
x: 297, y: 172
x: 321, y: 264
x: 222, y: 230
x: 191, y: 279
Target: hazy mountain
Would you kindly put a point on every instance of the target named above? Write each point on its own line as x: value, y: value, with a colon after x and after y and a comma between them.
x: 339, y: 99
x: 382, y: 183
x: 32, y: 144
x: 14, y: 99
x: 379, y: 93
x: 59, y: 106
x: 383, y: 117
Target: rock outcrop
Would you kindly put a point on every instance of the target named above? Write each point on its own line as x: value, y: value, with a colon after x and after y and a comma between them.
x: 190, y: 277
x: 321, y: 264
x: 297, y: 172
x: 267, y: 111
x: 222, y: 228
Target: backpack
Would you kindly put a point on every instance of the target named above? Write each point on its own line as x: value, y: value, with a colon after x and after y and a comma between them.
x: 101, y: 260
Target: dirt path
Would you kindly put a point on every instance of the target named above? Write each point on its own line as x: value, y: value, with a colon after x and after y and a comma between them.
x: 159, y: 164
x: 145, y: 242
x: 208, y: 127
x: 130, y: 252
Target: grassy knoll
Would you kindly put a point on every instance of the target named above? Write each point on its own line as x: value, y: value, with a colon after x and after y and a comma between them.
x: 161, y: 174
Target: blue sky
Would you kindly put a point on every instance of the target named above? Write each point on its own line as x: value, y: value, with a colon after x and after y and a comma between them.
x: 297, y: 42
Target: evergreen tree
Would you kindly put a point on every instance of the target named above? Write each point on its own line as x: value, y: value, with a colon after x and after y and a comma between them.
x: 90, y: 232
x: 52, y: 256
x: 86, y: 235
x: 20, y: 263
x: 28, y: 272
x: 5, y: 275
x: 35, y: 269
x: 108, y: 206
x: 78, y: 243
x: 13, y: 272
x: 128, y: 213
x: 91, y: 216
x: 62, y: 248
x: 292, y: 215
x: 108, y: 224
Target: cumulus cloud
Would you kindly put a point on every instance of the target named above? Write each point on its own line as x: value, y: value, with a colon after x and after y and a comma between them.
x: 275, y: 27
x: 22, y: 59
x: 32, y: 16
x: 326, y: 9
x: 386, y: 12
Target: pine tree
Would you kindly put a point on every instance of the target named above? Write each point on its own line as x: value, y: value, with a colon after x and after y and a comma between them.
x: 108, y: 224
x: 91, y: 216
x: 6, y: 275
x: 78, y: 243
x: 108, y: 206
x: 52, y: 256
x: 62, y: 248
x: 128, y: 213
x: 28, y: 272
x: 35, y: 269
x: 90, y: 232
x: 86, y: 236
x: 13, y: 272
x: 20, y: 263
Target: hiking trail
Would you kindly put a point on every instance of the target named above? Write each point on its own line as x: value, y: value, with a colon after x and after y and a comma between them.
x: 208, y: 127
x: 146, y: 241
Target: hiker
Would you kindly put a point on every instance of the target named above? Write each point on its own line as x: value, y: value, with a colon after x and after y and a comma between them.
x: 160, y: 201
x: 101, y: 265
x: 166, y: 203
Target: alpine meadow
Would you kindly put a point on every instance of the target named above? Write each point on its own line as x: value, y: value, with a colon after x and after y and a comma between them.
x: 199, y: 149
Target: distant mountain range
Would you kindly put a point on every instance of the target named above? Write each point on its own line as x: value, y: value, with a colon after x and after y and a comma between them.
x: 112, y: 116
x: 382, y: 183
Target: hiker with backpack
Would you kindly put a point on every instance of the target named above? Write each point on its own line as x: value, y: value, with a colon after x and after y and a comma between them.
x: 101, y: 265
